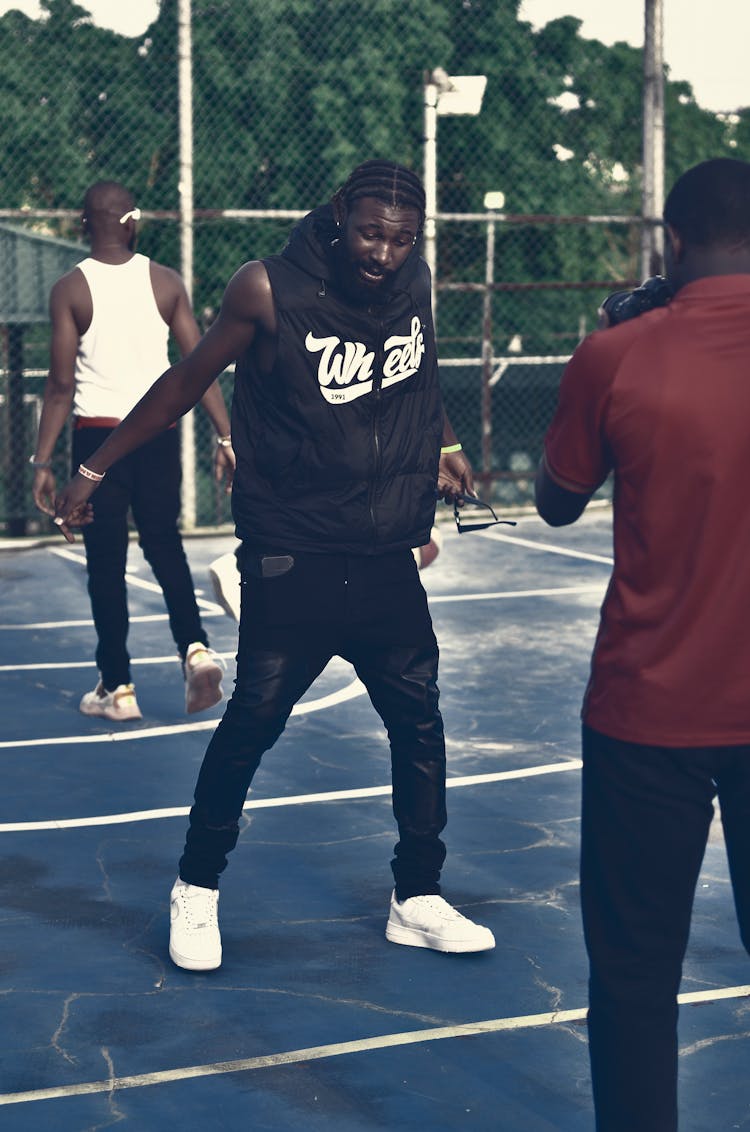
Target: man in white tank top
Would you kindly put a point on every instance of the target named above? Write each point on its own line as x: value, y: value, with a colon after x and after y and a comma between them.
x: 111, y: 320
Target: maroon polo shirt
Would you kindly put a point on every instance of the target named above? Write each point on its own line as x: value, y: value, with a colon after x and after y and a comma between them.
x: 664, y: 401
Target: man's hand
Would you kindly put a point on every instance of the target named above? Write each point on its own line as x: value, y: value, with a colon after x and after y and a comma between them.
x: 72, y: 507
x: 455, y: 476
x: 43, y: 490
x: 225, y: 462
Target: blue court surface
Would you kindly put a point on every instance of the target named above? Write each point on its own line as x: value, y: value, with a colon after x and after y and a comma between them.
x: 314, y: 1020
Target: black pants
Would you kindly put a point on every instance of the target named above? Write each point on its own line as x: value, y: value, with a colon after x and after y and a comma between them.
x: 148, y: 481
x: 298, y: 611
x: 645, y: 821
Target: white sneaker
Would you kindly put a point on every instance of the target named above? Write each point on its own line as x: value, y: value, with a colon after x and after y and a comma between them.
x: 225, y: 579
x: 119, y: 705
x: 194, y: 937
x: 203, y: 672
x: 430, y: 921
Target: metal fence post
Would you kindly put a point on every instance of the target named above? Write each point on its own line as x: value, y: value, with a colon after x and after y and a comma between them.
x: 487, y: 353
x: 652, y: 236
x: 185, y: 188
x: 16, y: 504
x: 430, y: 185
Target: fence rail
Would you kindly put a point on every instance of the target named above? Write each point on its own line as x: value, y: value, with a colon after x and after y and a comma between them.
x: 500, y: 394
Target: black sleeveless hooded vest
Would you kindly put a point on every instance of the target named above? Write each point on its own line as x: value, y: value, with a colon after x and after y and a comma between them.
x: 338, y: 447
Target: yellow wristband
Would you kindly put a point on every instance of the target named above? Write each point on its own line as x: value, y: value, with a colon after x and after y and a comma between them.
x: 451, y: 448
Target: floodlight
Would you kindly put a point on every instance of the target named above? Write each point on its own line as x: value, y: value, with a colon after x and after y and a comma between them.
x: 495, y: 202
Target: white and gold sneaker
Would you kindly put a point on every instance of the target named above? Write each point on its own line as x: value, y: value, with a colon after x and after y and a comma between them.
x: 203, y: 671
x: 119, y: 705
x: 225, y: 579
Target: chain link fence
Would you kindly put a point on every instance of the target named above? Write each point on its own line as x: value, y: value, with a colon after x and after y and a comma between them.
x: 287, y: 96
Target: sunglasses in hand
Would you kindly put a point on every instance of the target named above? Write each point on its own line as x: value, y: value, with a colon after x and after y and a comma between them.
x: 473, y: 514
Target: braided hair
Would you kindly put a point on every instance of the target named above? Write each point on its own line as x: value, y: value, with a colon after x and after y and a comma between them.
x: 386, y: 181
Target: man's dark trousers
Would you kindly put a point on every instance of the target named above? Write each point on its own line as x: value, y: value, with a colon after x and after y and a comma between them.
x: 298, y: 611
x: 147, y: 482
x: 645, y: 819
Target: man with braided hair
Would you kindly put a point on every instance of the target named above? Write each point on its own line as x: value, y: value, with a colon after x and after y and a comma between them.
x: 341, y: 441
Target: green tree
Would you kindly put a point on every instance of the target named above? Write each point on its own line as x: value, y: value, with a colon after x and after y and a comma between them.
x: 289, y: 94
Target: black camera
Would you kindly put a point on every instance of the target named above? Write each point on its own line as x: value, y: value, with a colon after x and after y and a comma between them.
x: 622, y: 305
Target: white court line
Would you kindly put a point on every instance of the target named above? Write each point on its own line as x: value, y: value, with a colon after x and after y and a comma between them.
x: 46, y: 667
x: 115, y: 736
x: 133, y: 579
x: 291, y: 800
x: 356, y: 688
x: 338, y: 1049
x: 88, y: 622
x: 545, y: 546
x: 433, y: 600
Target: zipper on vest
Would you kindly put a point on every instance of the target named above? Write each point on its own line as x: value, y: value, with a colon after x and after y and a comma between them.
x: 377, y: 390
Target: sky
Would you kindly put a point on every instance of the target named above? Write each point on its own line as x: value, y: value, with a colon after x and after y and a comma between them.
x: 128, y: 17
x: 705, y: 41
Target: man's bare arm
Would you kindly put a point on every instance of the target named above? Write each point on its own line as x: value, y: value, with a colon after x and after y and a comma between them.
x: 58, y: 390
x: 557, y: 504
x: 176, y: 310
x: 174, y: 304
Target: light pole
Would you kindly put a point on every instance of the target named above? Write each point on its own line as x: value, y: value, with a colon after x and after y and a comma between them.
x: 494, y: 202
x: 652, y: 238
x: 443, y: 94
x: 185, y: 188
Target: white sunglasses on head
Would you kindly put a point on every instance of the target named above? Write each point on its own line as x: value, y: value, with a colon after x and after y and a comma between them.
x: 134, y: 214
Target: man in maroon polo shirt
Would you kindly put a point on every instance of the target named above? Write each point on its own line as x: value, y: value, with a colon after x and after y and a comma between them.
x: 663, y: 401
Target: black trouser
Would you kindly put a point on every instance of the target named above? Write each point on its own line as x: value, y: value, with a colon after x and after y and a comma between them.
x: 645, y: 821
x: 373, y: 612
x: 148, y: 481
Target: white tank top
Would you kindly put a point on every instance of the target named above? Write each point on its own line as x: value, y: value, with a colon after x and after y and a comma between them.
x: 124, y: 349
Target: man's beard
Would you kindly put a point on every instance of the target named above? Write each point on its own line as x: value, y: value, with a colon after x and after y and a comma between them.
x: 351, y: 282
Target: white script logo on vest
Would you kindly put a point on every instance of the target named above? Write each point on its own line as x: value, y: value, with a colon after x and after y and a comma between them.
x: 345, y: 368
